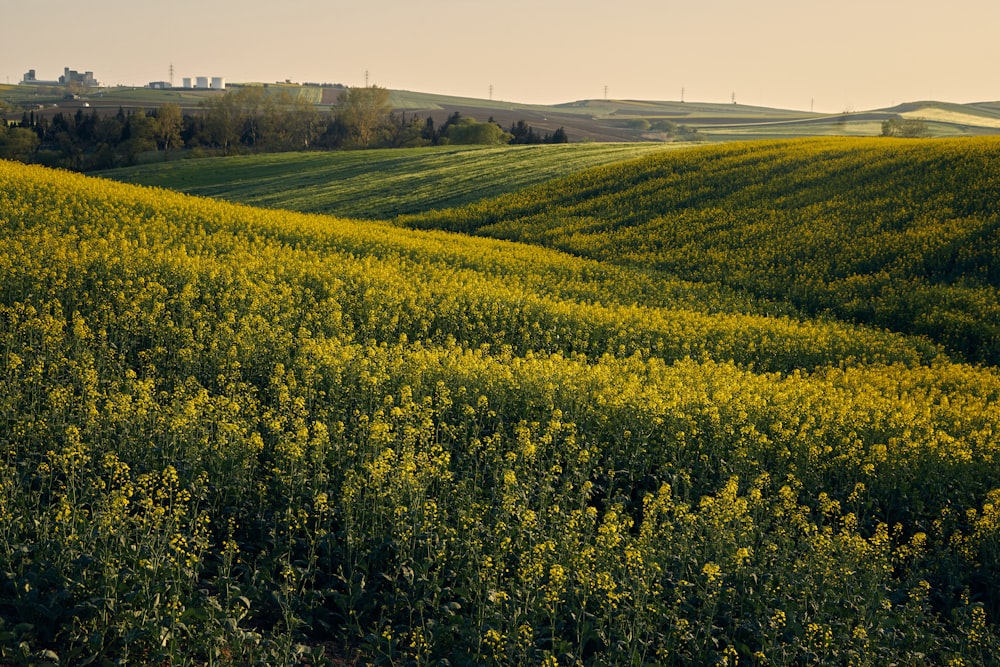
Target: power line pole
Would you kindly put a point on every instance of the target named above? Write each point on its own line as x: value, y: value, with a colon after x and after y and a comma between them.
x: 171, y: 75
x: 491, y: 92
x: 605, y: 92
x: 366, y: 78
x: 682, y: 95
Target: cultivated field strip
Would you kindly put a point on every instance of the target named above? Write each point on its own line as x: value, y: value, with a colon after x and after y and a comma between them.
x: 899, y: 234
x: 378, y: 184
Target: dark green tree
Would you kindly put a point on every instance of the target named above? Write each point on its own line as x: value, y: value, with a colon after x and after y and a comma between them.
x: 139, y: 136
x: 470, y: 131
x: 909, y: 128
x: 559, y: 137
x: 17, y: 143
x: 524, y: 134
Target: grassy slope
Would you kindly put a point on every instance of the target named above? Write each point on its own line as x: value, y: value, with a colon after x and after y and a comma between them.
x: 377, y: 184
x: 300, y: 429
x: 716, y: 120
x: 900, y: 234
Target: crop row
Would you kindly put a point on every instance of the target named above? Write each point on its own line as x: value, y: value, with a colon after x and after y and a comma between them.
x: 893, y: 233
x: 378, y: 183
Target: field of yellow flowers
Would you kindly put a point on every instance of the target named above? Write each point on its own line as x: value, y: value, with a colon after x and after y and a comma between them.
x: 232, y: 436
x: 889, y: 232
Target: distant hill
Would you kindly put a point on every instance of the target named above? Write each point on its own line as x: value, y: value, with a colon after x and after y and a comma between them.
x: 622, y: 120
x: 583, y: 120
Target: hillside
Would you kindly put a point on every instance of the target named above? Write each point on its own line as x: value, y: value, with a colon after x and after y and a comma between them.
x: 600, y: 120
x: 377, y: 184
x: 239, y: 436
x: 900, y: 234
x: 621, y: 120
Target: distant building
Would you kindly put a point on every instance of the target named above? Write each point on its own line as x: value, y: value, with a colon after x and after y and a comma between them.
x: 160, y: 85
x: 72, y: 76
x: 31, y: 78
x: 204, y: 82
x: 69, y: 76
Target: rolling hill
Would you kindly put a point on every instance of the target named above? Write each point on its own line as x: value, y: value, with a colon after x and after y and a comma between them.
x: 896, y: 233
x: 376, y: 184
x: 231, y: 435
x: 622, y: 120
x: 599, y: 120
x: 893, y: 233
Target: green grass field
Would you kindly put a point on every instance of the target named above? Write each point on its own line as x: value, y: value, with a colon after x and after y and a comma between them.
x: 111, y: 96
x: 378, y: 184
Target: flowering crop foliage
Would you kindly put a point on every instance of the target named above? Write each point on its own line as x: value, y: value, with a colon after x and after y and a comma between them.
x: 895, y: 233
x: 235, y: 436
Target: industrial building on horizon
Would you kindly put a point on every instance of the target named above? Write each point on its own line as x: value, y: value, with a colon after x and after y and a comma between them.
x: 87, y: 80
x: 70, y: 76
x: 196, y: 83
x: 203, y: 82
x: 191, y: 83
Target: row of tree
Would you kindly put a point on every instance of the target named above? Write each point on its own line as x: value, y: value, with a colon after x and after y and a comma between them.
x: 909, y: 128
x: 247, y: 119
x: 83, y: 142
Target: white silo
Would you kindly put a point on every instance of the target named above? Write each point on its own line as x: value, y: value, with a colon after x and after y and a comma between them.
x: 186, y: 81
x: 218, y: 83
x: 202, y: 82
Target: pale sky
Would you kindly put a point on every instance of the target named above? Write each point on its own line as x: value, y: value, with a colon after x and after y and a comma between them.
x: 846, y: 55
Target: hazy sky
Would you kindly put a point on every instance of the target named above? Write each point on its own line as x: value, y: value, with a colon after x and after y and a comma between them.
x: 851, y: 54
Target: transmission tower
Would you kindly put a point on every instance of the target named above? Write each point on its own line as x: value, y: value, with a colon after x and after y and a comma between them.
x: 491, y: 92
x: 171, y: 75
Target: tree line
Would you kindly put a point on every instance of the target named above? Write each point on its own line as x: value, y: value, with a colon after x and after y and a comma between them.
x: 908, y: 128
x: 247, y: 119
